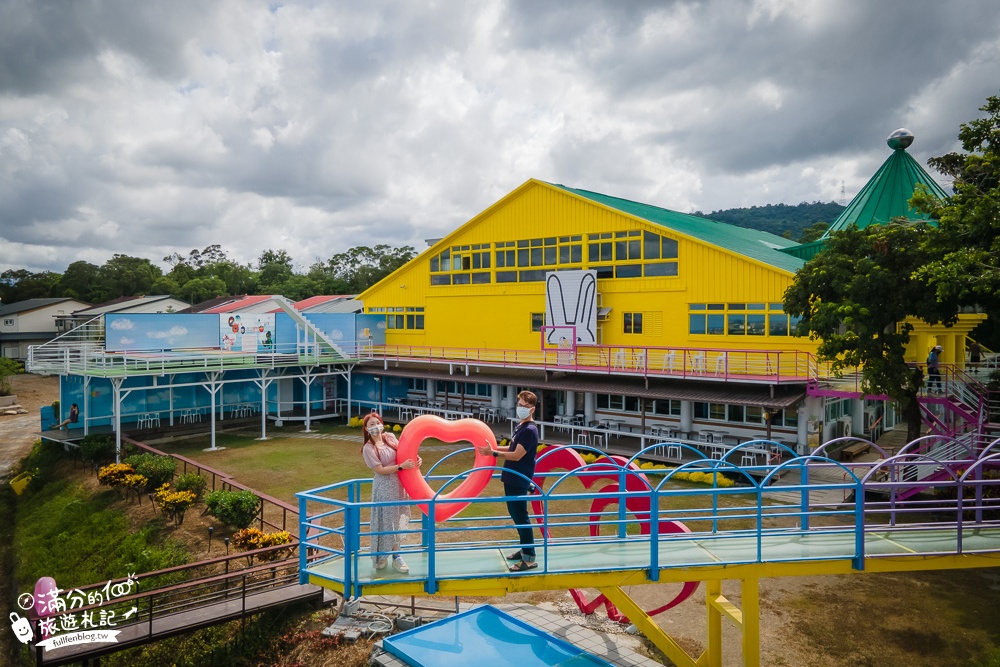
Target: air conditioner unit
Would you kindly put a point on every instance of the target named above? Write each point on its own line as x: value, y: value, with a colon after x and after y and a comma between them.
x: 844, y: 427
x: 871, y: 416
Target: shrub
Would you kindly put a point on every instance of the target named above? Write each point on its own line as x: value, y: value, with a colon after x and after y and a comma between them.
x: 173, y: 504
x: 124, y: 479
x: 97, y: 448
x: 397, y: 428
x: 233, y: 508
x: 251, y: 539
x: 159, y: 470
x: 8, y: 367
x: 192, y: 482
x: 114, y: 474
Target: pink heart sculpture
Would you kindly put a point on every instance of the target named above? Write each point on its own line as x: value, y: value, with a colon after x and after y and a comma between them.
x: 460, y: 430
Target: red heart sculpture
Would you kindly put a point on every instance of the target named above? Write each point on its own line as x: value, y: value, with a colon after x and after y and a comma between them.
x: 460, y: 430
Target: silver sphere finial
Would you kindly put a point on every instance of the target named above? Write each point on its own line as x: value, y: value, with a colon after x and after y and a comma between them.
x: 900, y: 140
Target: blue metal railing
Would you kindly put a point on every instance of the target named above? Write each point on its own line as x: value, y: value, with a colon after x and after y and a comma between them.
x: 612, y: 503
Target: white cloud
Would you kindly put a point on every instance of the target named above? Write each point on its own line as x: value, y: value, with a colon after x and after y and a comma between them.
x: 122, y: 324
x: 313, y: 127
x: 173, y: 332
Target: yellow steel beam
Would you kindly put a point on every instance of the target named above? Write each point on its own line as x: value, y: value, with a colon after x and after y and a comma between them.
x: 648, y: 627
x: 751, y: 623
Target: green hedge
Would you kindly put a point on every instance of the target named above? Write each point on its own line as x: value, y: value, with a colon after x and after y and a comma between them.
x: 233, y: 508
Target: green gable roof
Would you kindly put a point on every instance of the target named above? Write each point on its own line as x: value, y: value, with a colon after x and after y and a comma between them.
x: 761, y: 246
x: 887, y: 194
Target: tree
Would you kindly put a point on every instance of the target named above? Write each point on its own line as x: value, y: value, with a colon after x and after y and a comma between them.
x: 361, y: 267
x: 855, y: 295
x: 813, y: 232
x: 79, y: 281
x: 197, y: 290
x: 123, y: 275
x: 275, y: 269
x: 966, y: 266
x: 21, y: 284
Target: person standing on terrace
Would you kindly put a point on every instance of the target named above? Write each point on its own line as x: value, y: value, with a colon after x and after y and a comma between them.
x: 519, y: 457
x: 387, y: 521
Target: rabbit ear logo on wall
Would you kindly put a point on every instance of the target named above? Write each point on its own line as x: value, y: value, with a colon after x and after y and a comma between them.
x: 65, y: 618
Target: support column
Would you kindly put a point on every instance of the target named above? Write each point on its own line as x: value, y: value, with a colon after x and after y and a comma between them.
x: 648, y: 627
x: 263, y: 383
x: 496, y: 395
x: 687, y: 416
x: 802, y: 432
x: 589, y: 408
x: 431, y: 390
x: 570, y: 407
x: 858, y: 415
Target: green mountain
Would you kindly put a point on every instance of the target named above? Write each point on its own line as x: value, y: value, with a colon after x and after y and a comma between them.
x: 778, y: 218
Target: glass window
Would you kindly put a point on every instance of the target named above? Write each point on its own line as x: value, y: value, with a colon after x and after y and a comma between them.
x: 651, y: 245
x: 524, y: 258
x: 616, y: 403
x: 537, y: 320
x: 755, y: 325
x: 602, y: 401
x: 701, y: 410
x: 668, y: 248
x: 628, y: 271
x: 696, y: 324
x: 550, y: 255
x: 631, y: 404
x: 777, y: 325
x: 661, y: 269
x: 441, y: 279
x: 460, y: 279
x: 633, y: 323
x: 754, y: 414
x: 737, y: 324
x: 481, y: 278
x: 735, y: 413
x: 717, y: 411
x: 716, y: 325
x: 506, y: 276
x: 532, y: 276
x: 536, y: 257
x: 435, y: 263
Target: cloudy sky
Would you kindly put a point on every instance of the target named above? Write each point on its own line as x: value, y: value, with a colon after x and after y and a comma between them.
x: 148, y: 128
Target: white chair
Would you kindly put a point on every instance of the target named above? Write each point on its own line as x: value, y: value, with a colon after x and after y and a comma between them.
x: 639, y: 356
x: 698, y: 362
x: 748, y: 459
x: 618, y: 360
x: 674, y: 452
x: 722, y: 363
x: 153, y: 418
x: 597, y: 440
x: 583, y: 438
x: 668, y: 362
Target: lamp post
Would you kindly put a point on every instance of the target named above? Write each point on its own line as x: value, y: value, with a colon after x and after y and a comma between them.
x: 226, y: 541
x: 211, y: 529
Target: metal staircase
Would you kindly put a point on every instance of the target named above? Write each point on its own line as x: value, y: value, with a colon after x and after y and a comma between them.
x: 69, y: 352
x: 323, y: 345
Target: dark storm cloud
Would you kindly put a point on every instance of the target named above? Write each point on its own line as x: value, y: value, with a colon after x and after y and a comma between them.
x: 153, y: 128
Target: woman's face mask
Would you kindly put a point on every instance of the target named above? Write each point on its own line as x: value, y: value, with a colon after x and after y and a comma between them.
x: 374, y: 429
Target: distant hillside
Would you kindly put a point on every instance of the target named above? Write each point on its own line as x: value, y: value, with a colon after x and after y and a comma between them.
x: 778, y: 218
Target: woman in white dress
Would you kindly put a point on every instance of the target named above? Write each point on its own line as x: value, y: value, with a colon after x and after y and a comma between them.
x: 379, y: 452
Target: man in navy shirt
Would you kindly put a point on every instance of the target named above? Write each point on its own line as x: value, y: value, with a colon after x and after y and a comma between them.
x: 519, y: 457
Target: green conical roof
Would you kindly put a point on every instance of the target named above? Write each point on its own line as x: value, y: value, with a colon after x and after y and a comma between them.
x: 886, y: 196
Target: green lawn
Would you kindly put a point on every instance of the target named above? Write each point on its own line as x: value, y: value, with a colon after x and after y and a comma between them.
x: 286, y: 464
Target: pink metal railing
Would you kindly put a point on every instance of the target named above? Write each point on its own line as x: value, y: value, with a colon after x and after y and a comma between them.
x: 680, y: 362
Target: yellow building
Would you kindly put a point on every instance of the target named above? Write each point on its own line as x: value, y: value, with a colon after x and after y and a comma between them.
x: 614, y: 309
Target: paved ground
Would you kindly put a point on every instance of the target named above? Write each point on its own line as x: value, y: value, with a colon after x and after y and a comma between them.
x: 17, y: 433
